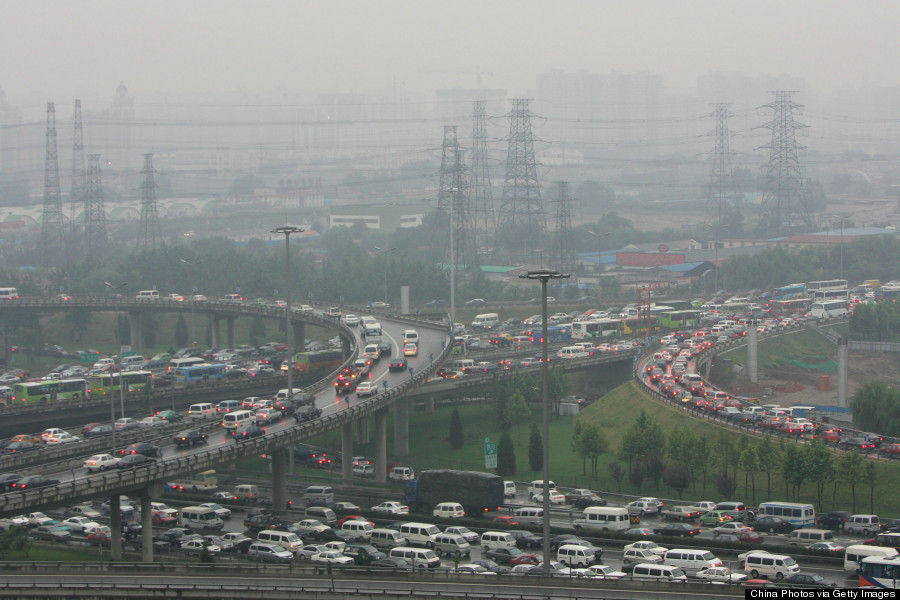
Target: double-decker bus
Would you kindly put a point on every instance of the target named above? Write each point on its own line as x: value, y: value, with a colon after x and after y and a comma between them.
x: 109, y: 383
x: 789, y: 292
x: 594, y: 329
x: 834, y: 294
x: 798, y: 515
x: 830, y: 309
x: 783, y: 308
x: 677, y: 319
x: 50, y: 390
x: 199, y: 373
x: 321, y: 360
x: 830, y: 284
x: 207, y: 481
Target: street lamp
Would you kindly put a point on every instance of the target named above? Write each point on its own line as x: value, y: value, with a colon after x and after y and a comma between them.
x: 545, y: 275
x: 385, y: 253
x: 287, y: 230
x: 112, y: 400
x: 193, y: 301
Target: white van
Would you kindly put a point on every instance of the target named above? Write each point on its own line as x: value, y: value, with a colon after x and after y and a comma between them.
x: 232, y: 299
x: 854, y: 554
x: 419, y: 558
x: 319, y: 495
x: 386, y: 538
x: 529, y: 515
x: 497, y: 539
x: 410, y: 336
x: 357, y: 530
x: 770, y: 565
x: 691, y: 560
x: 509, y: 489
x: 419, y: 534
x: 461, y: 364
x: 536, y: 487
x: 603, y: 518
x: 486, y: 321
x: 201, y: 517
x: 147, y: 295
x: 452, y: 544
x: 654, y: 571
x: 573, y: 352
x: 246, y: 491
x: 287, y: 540
x: 322, y: 513
x: 200, y: 410
x: 128, y: 361
x: 575, y: 556
x: 401, y: 474
x: 449, y: 510
x: 805, y: 537
x: 865, y: 524
x: 238, y: 418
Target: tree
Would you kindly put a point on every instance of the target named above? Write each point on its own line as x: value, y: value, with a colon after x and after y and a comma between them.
x: 589, y: 442
x: 506, y: 456
x: 850, y: 471
x: 457, y: 439
x: 636, y: 474
x: 535, y: 449
x: 793, y: 468
x: 181, y: 332
x: 768, y: 458
x: 617, y: 473
x: 677, y: 477
x: 725, y: 484
x: 257, y: 331
x: 819, y: 464
x: 871, y: 476
x: 750, y: 464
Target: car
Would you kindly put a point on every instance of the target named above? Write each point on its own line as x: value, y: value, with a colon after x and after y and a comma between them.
x: 85, y: 510
x: 473, y: 569
x: 190, y: 438
x: 810, y: 579
x: 410, y: 349
x: 7, y: 479
x: 26, y: 437
x: 490, y: 565
x: 332, y: 557
x: 505, y: 520
x: 733, y: 527
x: 503, y: 556
x: 637, y: 532
x: 163, y: 518
x: 307, y: 527
x: 221, y: 512
x: 367, y: 471
x: 133, y: 461
x: 248, y: 432
x: 582, y: 498
x: 474, y: 302
x: 393, y: 508
x: 467, y: 534
x: 556, y: 498
x: 198, y: 546
x: 775, y: 524
x: 676, y: 529
x: 716, y: 517
x: 267, y: 416
x: 640, y: 556
x: 61, y: 438
x: 55, y: 533
x: 827, y: 546
x: 51, y: 432
x: 722, y: 574
x: 526, y: 559
x: 344, y: 507
x: 80, y: 524
x: 524, y: 538
x: 647, y: 545
x: 142, y: 448
x: 566, y: 538
x: 350, y: 320
x: 397, y: 364
x: 150, y: 422
x: 16, y: 447
x: 170, y: 416
x: 366, y: 388
x: 30, y: 482
x: 397, y: 564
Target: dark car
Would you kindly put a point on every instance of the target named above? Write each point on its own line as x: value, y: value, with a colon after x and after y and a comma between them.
x: 810, y: 579
x: 566, y: 538
x: 583, y: 498
x: 17, y: 447
x: 385, y: 348
x: 191, y: 437
x: 307, y: 412
x: 247, y: 432
x: 502, y: 555
x: 132, y: 461
x: 264, y: 521
x: 676, y: 529
x: 832, y: 520
x: 773, y: 525
x: 397, y: 364
x: 491, y: 566
x: 331, y: 535
x: 99, y: 430
x: 141, y: 448
x: 392, y: 563
x: 525, y: 539
x: 861, y: 444
x: 29, y: 482
x: 7, y: 479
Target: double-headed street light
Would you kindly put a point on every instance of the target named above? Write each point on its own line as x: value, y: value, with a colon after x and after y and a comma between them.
x: 385, y: 253
x: 287, y: 230
x: 545, y: 275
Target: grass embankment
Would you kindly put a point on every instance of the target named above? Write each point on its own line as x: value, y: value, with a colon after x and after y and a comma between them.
x: 774, y: 352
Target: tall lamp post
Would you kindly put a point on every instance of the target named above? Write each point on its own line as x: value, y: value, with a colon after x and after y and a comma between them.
x: 385, y: 253
x: 287, y: 230
x: 545, y: 275
x: 600, y: 235
x: 112, y: 400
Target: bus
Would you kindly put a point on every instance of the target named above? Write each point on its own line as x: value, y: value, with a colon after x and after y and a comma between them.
x: 597, y: 328
x: 798, y: 515
x: 678, y: 319
x: 830, y: 284
x: 783, y: 308
x: 207, y: 481
x: 199, y: 373
x: 830, y: 309
x: 634, y: 325
x: 188, y: 361
x: 888, y: 291
x: 50, y: 389
x: 109, y: 383
x: 790, y: 291
x: 843, y: 294
x: 328, y: 360
x: 555, y: 334
x: 880, y: 572
x: 680, y: 304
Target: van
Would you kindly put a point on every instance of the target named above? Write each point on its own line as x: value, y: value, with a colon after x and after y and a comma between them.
x: 529, y: 515
x: 509, y: 489
x: 238, y: 418
x: 452, y: 544
x: 461, y: 364
x: 536, y: 487
x: 227, y: 406
x: 419, y: 558
x: 410, y: 336
x: 865, y: 524
x: 449, y: 510
x: 386, y: 538
x: 319, y: 495
x: 573, y: 352
x: 761, y: 563
x: 322, y: 513
x: 520, y: 341
x: 738, y: 510
x: 805, y: 537
x: 654, y: 571
x: 363, y: 554
x: 135, y: 359
x: 486, y: 321
x: 854, y: 554
x: 401, y: 474
x: 575, y: 556
x: 357, y: 530
x: 201, y: 517
x: 419, y: 534
x: 147, y: 295
x: 497, y: 539
x: 232, y: 299
x: 200, y: 410
x: 603, y: 518
x: 246, y: 491
x: 287, y: 540
x: 691, y: 560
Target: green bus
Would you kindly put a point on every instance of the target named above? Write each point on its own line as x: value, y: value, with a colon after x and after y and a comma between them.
x: 321, y: 360
x: 676, y: 319
x: 50, y: 390
x: 110, y: 383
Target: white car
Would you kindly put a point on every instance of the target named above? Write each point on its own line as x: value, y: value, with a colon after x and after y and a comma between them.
x: 332, y: 557
x: 79, y: 524
x: 350, y: 320
x: 310, y: 550
x: 704, y: 506
x: 366, y: 388
x: 410, y: 349
x: 36, y: 519
x: 85, y: 510
x: 51, y: 432
x: 556, y: 498
x: 151, y: 421
x: 393, y: 508
x: 62, y: 438
x: 473, y: 569
x: 734, y: 527
x: 605, y: 572
x: 221, y: 512
x: 722, y: 574
x: 269, y: 553
x: 640, y: 556
x: 197, y: 546
x: 346, y: 507
x: 647, y: 545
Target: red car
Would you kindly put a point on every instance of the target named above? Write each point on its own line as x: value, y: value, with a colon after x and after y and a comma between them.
x: 526, y: 559
x: 505, y: 520
x: 892, y: 450
x: 161, y: 518
x: 829, y: 435
x: 354, y: 518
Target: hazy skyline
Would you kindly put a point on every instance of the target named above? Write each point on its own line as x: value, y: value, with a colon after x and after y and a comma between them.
x: 61, y: 50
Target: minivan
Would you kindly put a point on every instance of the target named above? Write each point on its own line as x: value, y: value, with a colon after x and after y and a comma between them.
x: 200, y: 410
x: 573, y: 352
x: 134, y: 359
x: 575, y: 556
x: 536, y: 487
x: 461, y: 364
x: 509, y: 489
x: 450, y: 510
x: 603, y: 518
x: 232, y: 299
x: 865, y: 524
x: 452, y: 544
x: 805, y: 537
x: 287, y: 540
x: 201, y: 517
x: 147, y: 295
x: 419, y: 558
x: 386, y: 538
x: 238, y: 418
x: 401, y: 474
x: 853, y: 555
x: 774, y: 565
x: 529, y: 515
x: 497, y: 539
x: 319, y: 495
x: 653, y: 571
x: 357, y: 530
x: 419, y: 534
x: 227, y: 406
x: 691, y: 560
x: 322, y: 513
x: 486, y: 321
x: 246, y: 491
x: 410, y: 336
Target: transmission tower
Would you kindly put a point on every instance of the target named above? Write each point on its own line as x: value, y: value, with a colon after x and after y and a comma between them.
x: 564, y: 228
x: 521, y: 217
x: 151, y: 237
x: 52, y: 228
x: 76, y: 197
x: 482, y: 192
x: 723, y: 210
x: 453, y: 200
x: 784, y: 204
x: 94, y: 211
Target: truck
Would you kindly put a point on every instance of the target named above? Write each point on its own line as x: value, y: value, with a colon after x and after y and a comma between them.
x: 478, y: 492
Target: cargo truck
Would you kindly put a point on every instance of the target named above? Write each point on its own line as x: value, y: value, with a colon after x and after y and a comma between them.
x: 478, y: 492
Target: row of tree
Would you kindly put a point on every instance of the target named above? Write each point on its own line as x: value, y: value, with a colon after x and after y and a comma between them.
x: 876, y: 407
x: 876, y: 322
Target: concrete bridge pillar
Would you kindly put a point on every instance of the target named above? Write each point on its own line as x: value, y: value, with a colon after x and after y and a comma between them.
x: 347, y: 451
x: 134, y: 324
x: 115, y: 526
x: 362, y: 431
x: 230, y: 331
x: 345, y: 346
x: 279, y: 479
x: 843, y: 348
x: 214, y: 331
x: 381, y: 445
x: 752, y: 353
x: 401, y: 427
x: 146, y: 527
x: 429, y: 405
x: 299, y: 336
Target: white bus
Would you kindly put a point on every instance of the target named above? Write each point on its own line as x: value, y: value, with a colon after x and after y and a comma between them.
x: 798, y: 515
x: 842, y: 294
x: 830, y: 284
x: 206, y: 481
x: 597, y: 328
x: 829, y: 309
x: 854, y: 554
x: 190, y: 361
x: 9, y: 293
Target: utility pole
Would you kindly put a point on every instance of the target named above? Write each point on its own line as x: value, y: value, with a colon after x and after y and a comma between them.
x: 52, y: 227
x: 482, y: 191
x: 94, y: 211
x: 564, y: 228
x: 522, y: 206
x: 723, y: 212
x: 151, y: 236
x: 79, y: 178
